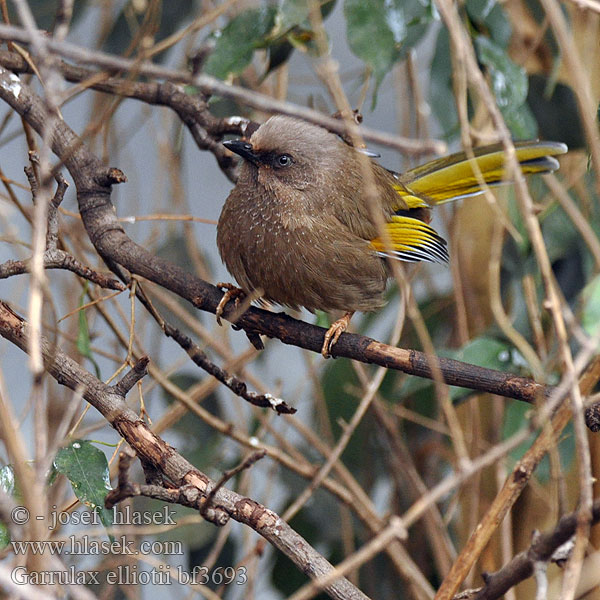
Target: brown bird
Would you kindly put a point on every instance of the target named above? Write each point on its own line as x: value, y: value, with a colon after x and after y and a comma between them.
x: 297, y: 228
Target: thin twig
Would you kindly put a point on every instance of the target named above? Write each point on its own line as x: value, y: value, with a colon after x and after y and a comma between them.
x: 212, y: 86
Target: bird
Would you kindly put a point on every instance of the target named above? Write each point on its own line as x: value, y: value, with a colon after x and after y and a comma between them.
x: 299, y: 229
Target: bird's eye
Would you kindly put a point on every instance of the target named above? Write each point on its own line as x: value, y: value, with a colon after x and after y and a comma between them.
x: 284, y: 160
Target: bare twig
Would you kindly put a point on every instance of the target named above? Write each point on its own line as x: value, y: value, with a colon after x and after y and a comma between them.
x: 137, y: 372
x: 227, y: 475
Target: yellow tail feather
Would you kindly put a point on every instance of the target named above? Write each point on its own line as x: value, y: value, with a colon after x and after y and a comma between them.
x: 454, y: 176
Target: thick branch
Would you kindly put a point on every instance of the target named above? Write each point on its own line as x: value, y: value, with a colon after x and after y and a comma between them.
x: 154, y: 451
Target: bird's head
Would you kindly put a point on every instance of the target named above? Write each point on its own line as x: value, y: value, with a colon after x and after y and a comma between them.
x: 290, y: 152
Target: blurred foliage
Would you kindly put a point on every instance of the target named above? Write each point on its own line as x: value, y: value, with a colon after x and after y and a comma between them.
x: 555, y: 109
x: 234, y: 45
x: 380, y: 33
x: 199, y: 442
x: 531, y: 105
x: 515, y: 415
x: 509, y: 84
x: 152, y: 19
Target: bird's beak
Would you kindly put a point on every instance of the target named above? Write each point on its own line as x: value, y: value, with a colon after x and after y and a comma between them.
x: 244, y: 149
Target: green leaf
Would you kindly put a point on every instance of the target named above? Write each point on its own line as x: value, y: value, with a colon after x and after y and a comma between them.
x: 235, y: 44
x: 486, y: 352
x: 86, y: 467
x: 479, y: 10
x: 490, y: 15
x: 83, y: 334
x: 510, y: 85
x: 293, y: 30
x: 509, y: 81
x: 590, y: 314
x: 499, y: 25
x: 380, y: 32
x: 521, y: 122
x: 4, y: 536
x: 296, y: 12
x: 292, y: 13
x: 7, y: 480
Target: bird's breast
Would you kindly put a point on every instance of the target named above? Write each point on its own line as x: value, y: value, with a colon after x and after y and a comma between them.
x: 296, y: 256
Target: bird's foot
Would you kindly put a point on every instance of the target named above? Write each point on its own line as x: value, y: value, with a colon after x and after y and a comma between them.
x: 333, y: 333
x: 232, y: 293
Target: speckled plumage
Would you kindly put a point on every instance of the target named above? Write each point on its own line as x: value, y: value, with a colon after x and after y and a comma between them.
x: 299, y: 234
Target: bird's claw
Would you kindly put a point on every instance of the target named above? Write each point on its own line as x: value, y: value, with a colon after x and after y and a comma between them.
x: 333, y: 334
x: 232, y: 293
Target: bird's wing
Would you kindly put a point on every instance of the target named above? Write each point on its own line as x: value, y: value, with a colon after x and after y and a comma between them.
x: 411, y: 240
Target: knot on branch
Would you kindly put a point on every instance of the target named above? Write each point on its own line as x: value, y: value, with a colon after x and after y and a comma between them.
x: 110, y: 176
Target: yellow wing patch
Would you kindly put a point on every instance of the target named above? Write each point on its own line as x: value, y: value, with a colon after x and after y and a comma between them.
x: 412, y: 241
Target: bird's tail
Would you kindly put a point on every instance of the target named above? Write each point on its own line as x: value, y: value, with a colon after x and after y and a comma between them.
x: 455, y: 176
